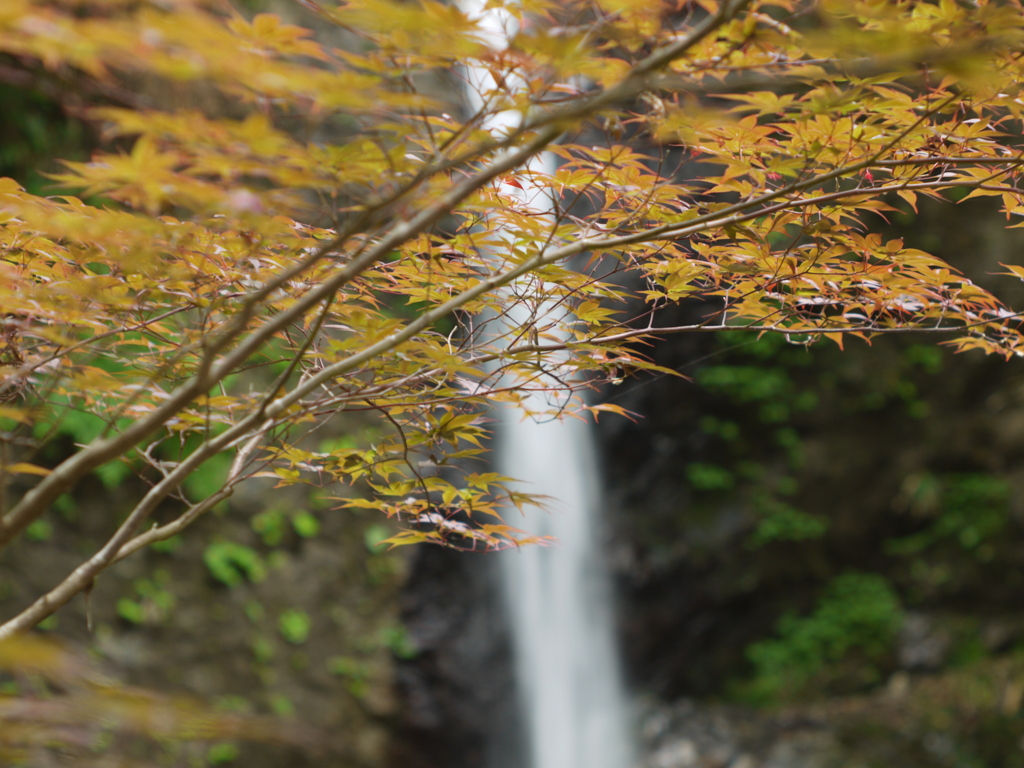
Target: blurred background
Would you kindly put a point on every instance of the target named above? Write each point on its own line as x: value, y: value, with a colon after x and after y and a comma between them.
x: 817, y: 558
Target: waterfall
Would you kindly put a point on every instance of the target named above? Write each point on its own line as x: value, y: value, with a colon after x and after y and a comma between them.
x: 559, y: 598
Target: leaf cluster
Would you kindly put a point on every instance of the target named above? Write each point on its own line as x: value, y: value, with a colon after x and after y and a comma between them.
x: 327, y: 230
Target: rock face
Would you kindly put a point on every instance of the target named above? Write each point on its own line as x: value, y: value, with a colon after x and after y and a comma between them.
x: 457, y: 692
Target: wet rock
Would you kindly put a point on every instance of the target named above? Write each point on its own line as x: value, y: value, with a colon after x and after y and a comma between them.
x: 458, y: 698
x: 687, y: 734
x: 922, y: 645
x: 676, y: 754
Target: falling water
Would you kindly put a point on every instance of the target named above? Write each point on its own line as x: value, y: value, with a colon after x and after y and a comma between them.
x: 559, y: 598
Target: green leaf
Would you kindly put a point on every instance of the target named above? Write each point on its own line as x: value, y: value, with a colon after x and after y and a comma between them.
x: 294, y: 625
x: 232, y: 563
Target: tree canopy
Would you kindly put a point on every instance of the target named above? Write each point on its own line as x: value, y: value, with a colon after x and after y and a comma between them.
x: 278, y: 228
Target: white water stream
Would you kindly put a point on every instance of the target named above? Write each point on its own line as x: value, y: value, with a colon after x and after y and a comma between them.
x: 559, y: 598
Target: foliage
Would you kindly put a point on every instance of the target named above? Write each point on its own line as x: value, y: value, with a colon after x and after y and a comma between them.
x: 782, y: 522
x: 324, y: 231
x: 970, y: 509
x: 294, y: 624
x: 858, y: 611
x: 399, y: 642
x: 152, y: 603
x: 758, y: 382
x: 708, y: 477
x: 272, y: 525
x: 230, y: 563
x: 35, y: 130
x: 353, y: 671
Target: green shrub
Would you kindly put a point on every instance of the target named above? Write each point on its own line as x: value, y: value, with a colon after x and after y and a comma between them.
x: 973, y: 509
x: 857, y: 612
x: 708, y: 477
x: 781, y: 522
